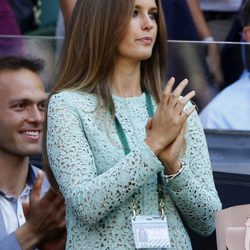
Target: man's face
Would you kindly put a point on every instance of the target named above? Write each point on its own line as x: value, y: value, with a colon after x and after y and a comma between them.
x: 22, y: 110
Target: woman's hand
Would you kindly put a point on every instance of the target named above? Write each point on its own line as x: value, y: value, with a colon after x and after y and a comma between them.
x: 169, y: 118
x: 169, y: 155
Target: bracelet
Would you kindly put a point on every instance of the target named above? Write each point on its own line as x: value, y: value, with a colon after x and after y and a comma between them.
x: 168, y: 177
x: 208, y: 39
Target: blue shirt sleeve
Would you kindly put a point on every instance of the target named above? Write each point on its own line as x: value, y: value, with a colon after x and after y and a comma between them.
x: 10, y: 242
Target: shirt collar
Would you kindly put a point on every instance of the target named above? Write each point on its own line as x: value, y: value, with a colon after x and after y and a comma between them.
x: 31, y: 178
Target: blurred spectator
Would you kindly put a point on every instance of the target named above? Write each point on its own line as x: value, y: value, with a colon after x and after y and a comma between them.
x: 36, y: 17
x: 230, y: 109
x: 219, y: 15
x: 183, y: 20
x: 8, y: 27
x: 178, y: 16
x: 67, y: 7
x: 65, y: 12
x: 212, y: 49
x: 26, y: 13
x: 231, y: 53
x: 199, y: 63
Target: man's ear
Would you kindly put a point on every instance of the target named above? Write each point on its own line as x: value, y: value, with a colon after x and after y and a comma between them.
x: 246, y: 33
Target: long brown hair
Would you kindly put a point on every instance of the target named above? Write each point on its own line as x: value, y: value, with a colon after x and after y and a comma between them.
x: 90, y: 49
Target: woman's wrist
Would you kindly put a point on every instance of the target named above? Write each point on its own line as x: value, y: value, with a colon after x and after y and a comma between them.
x: 155, y: 147
x: 173, y: 168
x: 168, y: 177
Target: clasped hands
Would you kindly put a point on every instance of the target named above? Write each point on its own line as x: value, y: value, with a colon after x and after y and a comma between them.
x: 45, y: 226
x: 165, y: 130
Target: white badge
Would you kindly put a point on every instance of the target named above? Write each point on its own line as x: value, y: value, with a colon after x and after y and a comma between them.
x: 150, y: 232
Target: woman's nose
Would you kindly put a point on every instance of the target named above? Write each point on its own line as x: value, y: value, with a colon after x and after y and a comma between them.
x: 147, y: 22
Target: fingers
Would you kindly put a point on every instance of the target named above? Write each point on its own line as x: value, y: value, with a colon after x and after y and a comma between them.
x: 175, y: 95
x: 59, y: 203
x: 58, y: 211
x: 54, y: 200
x: 169, y: 86
x: 186, y: 113
x: 181, y: 102
x: 187, y: 97
x: 179, y: 89
x: 36, y: 190
x: 169, y: 117
x: 190, y: 111
x: 168, y: 90
x: 61, y: 218
x: 171, y: 96
x: 51, y: 195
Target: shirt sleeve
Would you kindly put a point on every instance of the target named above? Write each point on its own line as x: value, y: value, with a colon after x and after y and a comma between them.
x: 10, y: 242
x: 212, y: 117
x: 193, y: 191
x: 91, y: 196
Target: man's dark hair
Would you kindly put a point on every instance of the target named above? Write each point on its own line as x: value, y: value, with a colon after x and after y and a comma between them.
x: 245, y: 13
x: 35, y: 65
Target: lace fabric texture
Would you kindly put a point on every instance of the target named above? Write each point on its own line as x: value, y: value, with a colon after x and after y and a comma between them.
x: 98, y: 180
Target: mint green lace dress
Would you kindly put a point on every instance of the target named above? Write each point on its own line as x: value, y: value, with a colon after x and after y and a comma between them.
x: 98, y: 180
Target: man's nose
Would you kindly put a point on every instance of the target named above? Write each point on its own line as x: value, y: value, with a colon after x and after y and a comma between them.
x: 35, y: 115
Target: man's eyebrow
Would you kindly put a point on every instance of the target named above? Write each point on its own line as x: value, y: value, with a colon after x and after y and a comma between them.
x: 28, y: 100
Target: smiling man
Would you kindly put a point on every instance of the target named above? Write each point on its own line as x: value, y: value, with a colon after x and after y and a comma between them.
x: 26, y: 220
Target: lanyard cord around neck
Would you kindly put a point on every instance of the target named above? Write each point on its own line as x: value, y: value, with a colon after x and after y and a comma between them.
x: 123, y: 139
x: 120, y: 131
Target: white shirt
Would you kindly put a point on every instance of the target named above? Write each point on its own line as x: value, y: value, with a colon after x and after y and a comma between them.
x: 12, y: 210
x: 230, y: 109
x: 220, y: 5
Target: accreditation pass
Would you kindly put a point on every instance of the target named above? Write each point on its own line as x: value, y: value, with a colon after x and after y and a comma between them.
x: 150, y: 232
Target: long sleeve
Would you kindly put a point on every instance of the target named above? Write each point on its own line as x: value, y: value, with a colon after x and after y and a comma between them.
x: 91, y: 194
x: 100, y: 183
x: 193, y: 191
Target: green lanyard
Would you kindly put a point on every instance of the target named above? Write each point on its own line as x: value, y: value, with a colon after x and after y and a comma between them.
x: 123, y: 139
x: 120, y: 131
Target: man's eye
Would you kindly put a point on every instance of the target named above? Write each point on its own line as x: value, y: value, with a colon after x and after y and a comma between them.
x: 42, y: 106
x: 19, y: 106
